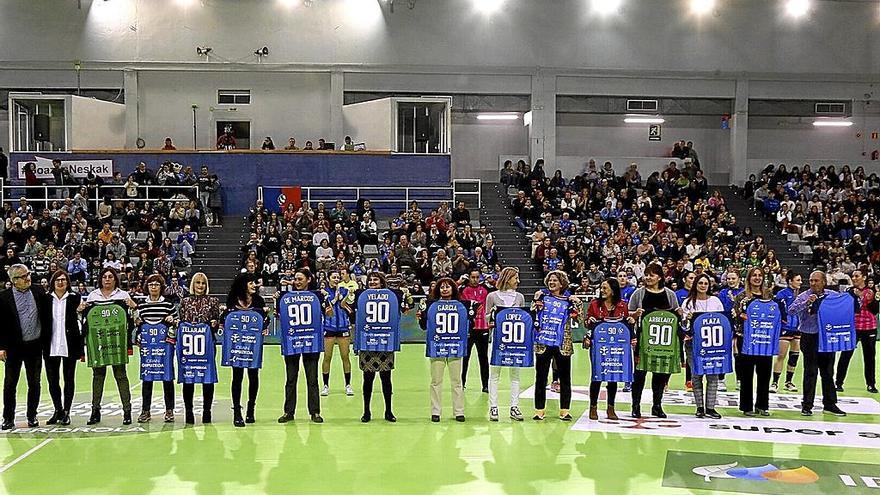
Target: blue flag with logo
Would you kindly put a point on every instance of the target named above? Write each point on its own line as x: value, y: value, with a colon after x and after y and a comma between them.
x: 157, y: 355
x: 611, y: 352
x: 195, y: 354
x: 713, y: 344
x: 243, y: 340
x: 551, y: 321
x: 377, y: 327
x: 513, y: 339
x: 761, y: 328
x: 837, y: 323
x: 447, y: 330
x: 300, y: 326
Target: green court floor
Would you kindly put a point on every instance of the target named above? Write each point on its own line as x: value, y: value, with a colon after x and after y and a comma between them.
x: 413, y: 456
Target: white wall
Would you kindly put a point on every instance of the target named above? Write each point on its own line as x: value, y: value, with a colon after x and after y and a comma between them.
x: 96, y: 124
x: 476, y: 147
x: 282, y: 105
x: 370, y: 122
x: 653, y: 35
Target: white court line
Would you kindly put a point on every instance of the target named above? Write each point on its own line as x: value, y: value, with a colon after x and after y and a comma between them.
x: 24, y: 456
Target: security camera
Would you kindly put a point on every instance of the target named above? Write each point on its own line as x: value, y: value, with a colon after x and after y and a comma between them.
x: 203, y: 50
x: 262, y: 52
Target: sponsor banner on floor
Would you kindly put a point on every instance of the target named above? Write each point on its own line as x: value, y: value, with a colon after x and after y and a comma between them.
x: 767, y: 475
x: 726, y: 400
x: 741, y: 429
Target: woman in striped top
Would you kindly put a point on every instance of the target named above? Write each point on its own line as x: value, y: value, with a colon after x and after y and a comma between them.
x: 155, y: 310
x: 199, y: 307
x: 337, y: 318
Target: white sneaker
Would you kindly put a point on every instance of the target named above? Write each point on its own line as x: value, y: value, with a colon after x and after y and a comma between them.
x: 737, y: 384
x: 493, y: 414
x: 325, y: 391
x: 774, y: 387
x: 790, y: 387
x: 349, y: 391
x: 722, y: 386
x: 516, y: 414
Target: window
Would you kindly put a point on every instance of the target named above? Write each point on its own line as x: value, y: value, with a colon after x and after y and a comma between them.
x: 233, y: 97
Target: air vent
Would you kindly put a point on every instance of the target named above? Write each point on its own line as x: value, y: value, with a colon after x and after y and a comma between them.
x: 642, y: 105
x: 830, y: 108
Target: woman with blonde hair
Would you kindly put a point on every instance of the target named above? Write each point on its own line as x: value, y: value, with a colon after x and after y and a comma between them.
x: 747, y: 366
x: 555, y: 309
x: 505, y: 297
x: 200, y: 307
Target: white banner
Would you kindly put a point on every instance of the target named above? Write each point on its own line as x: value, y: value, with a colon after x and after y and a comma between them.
x: 78, y: 168
x: 741, y: 429
x: 726, y: 400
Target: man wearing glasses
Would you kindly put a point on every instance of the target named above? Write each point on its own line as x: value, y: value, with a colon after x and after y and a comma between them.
x: 23, y: 311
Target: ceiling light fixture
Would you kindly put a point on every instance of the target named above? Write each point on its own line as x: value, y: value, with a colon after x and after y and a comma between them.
x: 832, y: 123
x: 797, y: 8
x: 644, y: 120
x: 497, y: 116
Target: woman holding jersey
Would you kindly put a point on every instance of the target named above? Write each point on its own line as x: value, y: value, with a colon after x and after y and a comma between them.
x: 337, y: 319
x: 700, y: 301
x: 609, y: 305
x: 758, y: 402
x: 652, y: 297
x: 155, y: 310
x: 200, y: 308
x: 505, y: 297
x: 243, y: 296
x: 567, y: 312
x: 302, y: 282
x: 373, y: 362
x: 446, y: 290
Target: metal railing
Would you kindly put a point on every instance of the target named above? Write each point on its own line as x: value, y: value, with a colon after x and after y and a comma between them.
x: 394, y: 197
x: 52, y: 193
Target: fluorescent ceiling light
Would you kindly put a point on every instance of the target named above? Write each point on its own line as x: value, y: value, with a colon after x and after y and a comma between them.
x: 832, y: 123
x: 797, y: 8
x: 488, y: 6
x: 644, y: 120
x: 497, y: 116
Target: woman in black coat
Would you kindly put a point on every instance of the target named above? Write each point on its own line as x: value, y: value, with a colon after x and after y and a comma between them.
x: 65, y: 346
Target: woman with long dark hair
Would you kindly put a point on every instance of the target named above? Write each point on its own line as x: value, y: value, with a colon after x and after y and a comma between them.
x: 652, y: 297
x: 608, y: 305
x: 65, y: 346
x: 244, y: 296
x: 337, y: 320
x: 790, y: 337
x: 699, y: 300
x: 200, y: 307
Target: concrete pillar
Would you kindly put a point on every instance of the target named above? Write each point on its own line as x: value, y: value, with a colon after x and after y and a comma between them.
x: 130, y: 86
x: 739, y: 134
x: 542, y: 132
x: 337, y: 99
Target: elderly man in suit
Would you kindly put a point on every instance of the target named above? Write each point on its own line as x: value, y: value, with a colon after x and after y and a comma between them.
x: 24, y: 312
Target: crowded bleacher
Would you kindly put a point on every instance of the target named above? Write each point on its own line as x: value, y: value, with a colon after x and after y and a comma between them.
x: 82, y: 226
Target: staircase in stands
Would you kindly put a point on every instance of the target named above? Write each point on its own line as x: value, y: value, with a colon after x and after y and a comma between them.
x: 218, y: 253
x: 514, y: 248
x: 791, y: 251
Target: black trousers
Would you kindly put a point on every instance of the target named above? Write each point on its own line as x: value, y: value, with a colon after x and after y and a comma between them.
x: 30, y: 356
x: 750, y: 396
x: 542, y: 368
x: 658, y: 383
x: 291, y: 366
x: 595, y: 388
x: 56, y: 367
x: 817, y: 363
x: 167, y: 392
x: 253, y: 385
x: 868, y: 340
x: 385, y: 378
x: 207, y: 395
x: 481, y: 341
